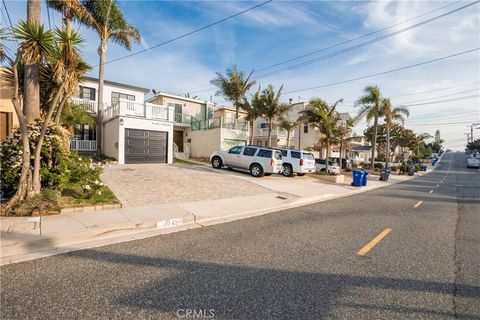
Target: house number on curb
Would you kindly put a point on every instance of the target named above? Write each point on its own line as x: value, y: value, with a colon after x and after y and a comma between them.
x: 169, y: 223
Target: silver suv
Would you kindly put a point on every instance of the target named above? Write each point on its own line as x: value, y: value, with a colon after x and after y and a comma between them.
x: 259, y: 161
x: 297, y: 161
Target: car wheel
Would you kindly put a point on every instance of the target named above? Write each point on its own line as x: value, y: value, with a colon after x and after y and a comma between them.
x: 287, y: 170
x: 256, y: 170
x: 217, y: 163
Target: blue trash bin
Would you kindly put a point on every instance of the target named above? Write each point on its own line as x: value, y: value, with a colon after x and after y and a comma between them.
x: 357, y: 178
x: 434, y: 162
x: 364, y: 178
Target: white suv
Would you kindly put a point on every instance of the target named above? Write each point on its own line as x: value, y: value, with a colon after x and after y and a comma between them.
x: 259, y: 161
x: 296, y: 161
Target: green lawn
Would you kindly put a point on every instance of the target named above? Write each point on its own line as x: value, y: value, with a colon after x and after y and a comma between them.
x: 72, y: 196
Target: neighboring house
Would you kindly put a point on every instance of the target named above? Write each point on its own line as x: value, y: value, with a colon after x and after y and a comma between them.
x: 360, y: 154
x: 8, y: 117
x: 199, y: 129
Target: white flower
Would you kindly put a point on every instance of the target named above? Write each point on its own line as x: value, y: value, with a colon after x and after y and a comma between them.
x: 99, y: 193
x: 97, y: 182
x: 86, y: 187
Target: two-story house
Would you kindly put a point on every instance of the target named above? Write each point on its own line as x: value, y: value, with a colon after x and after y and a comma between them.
x: 199, y: 128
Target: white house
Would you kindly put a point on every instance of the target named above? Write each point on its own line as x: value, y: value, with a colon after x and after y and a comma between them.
x: 133, y: 131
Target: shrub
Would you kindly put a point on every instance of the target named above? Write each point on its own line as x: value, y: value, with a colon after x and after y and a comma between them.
x: 378, y: 165
x: 54, y: 157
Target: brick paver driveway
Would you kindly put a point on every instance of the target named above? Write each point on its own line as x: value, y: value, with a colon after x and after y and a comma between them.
x: 150, y: 184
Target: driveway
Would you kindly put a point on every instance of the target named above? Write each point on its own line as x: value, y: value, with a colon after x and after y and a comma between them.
x: 142, y: 185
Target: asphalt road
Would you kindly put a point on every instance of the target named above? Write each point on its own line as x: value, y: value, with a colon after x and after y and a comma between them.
x: 294, y: 264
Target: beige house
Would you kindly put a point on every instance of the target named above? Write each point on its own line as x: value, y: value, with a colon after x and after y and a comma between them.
x: 199, y: 129
x: 8, y: 117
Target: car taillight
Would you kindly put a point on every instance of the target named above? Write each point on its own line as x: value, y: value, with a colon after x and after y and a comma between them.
x: 301, y: 162
x: 271, y: 162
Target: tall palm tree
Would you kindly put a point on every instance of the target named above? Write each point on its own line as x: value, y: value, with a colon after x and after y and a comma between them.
x: 254, y: 110
x: 31, y: 78
x: 370, y: 104
x: 233, y: 87
x: 272, y: 108
x: 421, y: 139
x: 326, y: 118
x: 289, y: 125
x: 110, y: 24
x: 344, y: 137
x: 390, y: 115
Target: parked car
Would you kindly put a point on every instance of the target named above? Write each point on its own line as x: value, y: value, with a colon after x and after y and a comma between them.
x: 473, y: 163
x: 333, y: 167
x: 346, y: 163
x: 297, y: 161
x: 257, y: 160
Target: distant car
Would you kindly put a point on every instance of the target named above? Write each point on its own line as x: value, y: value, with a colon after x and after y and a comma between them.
x: 297, y: 161
x: 346, y: 163
x: 473, y: 163
x: 257, y: 160
x: 333, y: 167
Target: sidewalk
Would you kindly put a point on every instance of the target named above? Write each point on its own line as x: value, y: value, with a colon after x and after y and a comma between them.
x: 26, y: 238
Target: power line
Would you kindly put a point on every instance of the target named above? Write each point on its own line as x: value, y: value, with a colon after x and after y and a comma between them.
x: 8, y: 15
x: 437, y: 124
x: 442, y: 96
x: 384, y: 72
x: 354, y: 39
x: 188, y: 33
x: 366, y: 43
x: 443, y: 101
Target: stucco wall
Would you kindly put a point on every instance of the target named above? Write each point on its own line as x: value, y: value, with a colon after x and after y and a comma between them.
x: 204, y: 142
x: 111, y: 135
x: 6, y: 104
x: 108, y: 89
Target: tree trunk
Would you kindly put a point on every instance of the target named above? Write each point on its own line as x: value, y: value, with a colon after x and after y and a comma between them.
x: 374, y: 137
x: 102, y: 50
x: 38, y: 148
x: 252, y: 135
x: 269, y: 133
x: 67, y: 20
x: 58, y: 115
x: 326, y: 157
x: 340, y: 156
x: 387, y: 156
x: 31, y: 82
x: 288, y: 138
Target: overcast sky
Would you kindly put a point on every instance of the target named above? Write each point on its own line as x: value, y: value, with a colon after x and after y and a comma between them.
x: 265, y: 37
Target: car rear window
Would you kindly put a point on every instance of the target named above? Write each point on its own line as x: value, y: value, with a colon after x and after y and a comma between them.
x: 249, y: 151
x: 308, y: 156
x: 265, y: 153
x: 295, y: 154
x: 320, y: 161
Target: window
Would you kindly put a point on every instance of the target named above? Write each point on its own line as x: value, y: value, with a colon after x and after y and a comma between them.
x: 308, y: 156
x: 284, y: 152
x: 178, y: 110
x: 263, y: 125
x: 265, y: 153
x: 87, y: 93
x: 249, y: 151
x: 235, y: 150
x: 116, y: 96
x: 295, y: 154
x: 305, y: 127
x: 229, y: 117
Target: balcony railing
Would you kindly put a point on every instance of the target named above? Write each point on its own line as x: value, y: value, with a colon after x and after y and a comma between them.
x: 181, y: 118
x: 88, y: 105
x: 83, y: 145
x: 218, y: 122
x: 138, y: 109
x: 276, y: 132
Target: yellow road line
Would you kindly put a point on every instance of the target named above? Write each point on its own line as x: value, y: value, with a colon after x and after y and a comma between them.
x: 431, y: 191
x: 418, y: 204
x: 374, y: 242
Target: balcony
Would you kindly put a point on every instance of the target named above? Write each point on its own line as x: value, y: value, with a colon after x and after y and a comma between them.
x: 83, y: 145
x: 88, y: 105
x: 276, y: 132
x: 219, y: 122
x: 138, y: 109
x: 183, y: 119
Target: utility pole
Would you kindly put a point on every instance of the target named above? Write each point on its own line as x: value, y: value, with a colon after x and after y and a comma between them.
x: 471, y: 130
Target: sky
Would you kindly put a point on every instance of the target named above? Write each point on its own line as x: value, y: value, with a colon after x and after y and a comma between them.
x: 441, y: 95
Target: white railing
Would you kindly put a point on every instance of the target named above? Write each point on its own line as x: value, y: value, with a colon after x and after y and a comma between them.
x: 88, y: 105
x: 276, y: 132
x: 137, y: 109
x: 83, y: 145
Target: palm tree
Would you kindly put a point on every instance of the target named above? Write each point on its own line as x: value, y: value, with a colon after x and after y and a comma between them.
x: 326, y: 118
x: 31, y: 78
x: 233, y: 87
x: 390, y: 115
x: 370, y: 102
x: 272, y: 108
x: 344, y: 136
x: 110, y: 24
x: 289, y: 125
x: 70, y: 10
x: 421, y: 139
x: 254, y: 110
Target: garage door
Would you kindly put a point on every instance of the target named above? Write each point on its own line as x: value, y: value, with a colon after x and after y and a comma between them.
x: 144, y: 146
